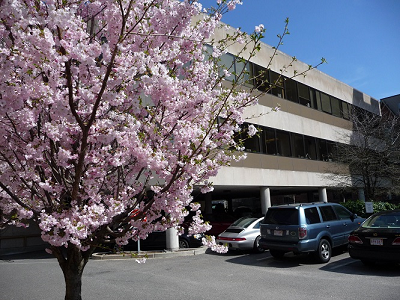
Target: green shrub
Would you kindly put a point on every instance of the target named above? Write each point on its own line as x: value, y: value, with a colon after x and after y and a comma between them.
x: 358, y: 207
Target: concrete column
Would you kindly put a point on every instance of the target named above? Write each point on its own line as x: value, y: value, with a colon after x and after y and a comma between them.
x: 172, y: 239
x: 361, y: 195
x: 323, y: 196
x: 265, y: 197
x: 208, y: 203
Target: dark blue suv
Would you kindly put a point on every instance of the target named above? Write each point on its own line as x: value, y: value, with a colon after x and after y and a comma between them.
x: 307, y: 227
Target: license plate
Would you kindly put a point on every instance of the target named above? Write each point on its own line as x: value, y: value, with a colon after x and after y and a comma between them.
x: 278, y: 232
x: 376, y: 242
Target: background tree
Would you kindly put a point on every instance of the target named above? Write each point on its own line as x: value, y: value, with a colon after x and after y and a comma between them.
x: 373, y: 155
x: 111, y: 111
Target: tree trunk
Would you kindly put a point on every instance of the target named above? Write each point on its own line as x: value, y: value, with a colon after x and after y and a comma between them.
x: 72, y: 262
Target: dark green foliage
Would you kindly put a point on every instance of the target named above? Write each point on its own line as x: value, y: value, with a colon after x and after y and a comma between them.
x: 358, y: 207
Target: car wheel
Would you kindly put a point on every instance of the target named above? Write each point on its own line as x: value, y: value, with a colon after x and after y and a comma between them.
x: 276, y: 253
x: 324, y: 251
x: 183, y: 243
x: 257, y: 247
x: 367, y: 263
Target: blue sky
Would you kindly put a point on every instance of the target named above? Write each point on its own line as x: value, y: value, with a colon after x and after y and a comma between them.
x: 360, y: 39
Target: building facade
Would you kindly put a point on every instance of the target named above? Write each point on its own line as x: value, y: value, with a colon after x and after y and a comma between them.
x: 289, y: 161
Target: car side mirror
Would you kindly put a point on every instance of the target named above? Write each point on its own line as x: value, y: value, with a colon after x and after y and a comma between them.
x: 353, y: 217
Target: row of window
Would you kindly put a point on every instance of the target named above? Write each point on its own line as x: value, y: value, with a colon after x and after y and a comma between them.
x: 283, y: 87
x: 278, y: 142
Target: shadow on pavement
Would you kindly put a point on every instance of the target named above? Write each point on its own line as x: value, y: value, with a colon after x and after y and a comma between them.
x: 41, y: 254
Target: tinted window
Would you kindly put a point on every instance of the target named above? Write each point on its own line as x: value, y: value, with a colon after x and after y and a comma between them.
x: 390, y: 220
x: 290, y: 87
x: 310, y: 145
x: 257, y: 225
x: 227, y: 62
x: 336, y: 111
x: 243, y: 222
x: 327, y: 213
x: 326, y: 103
x: 270, y: 141
x: 312, y: 216
x: 297, y: 145
x: 283, y: 142
x: 342, y: 213
x: 282, y: 216
x: 304, y: 94
x: 277, y: 85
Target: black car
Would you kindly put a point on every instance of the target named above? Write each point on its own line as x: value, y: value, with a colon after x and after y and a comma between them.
x: 377, y: 239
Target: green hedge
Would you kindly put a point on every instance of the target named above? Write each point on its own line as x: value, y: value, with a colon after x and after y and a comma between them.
x: 358, y: 207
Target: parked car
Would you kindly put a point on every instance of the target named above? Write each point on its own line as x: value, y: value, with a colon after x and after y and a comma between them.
x: 307, y: 228
x: 377, y: 239
x: 243, y: 234
x: 157, y: 240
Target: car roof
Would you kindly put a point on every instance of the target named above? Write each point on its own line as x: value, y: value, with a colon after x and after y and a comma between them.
x: 388, y: 212
x: 296, y: 205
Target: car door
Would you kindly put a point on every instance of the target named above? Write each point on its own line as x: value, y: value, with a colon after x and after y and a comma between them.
x: 347, y: 220
x: 333, y: 225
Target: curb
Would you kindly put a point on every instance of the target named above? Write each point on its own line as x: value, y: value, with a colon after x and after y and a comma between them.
x: 149, y: 254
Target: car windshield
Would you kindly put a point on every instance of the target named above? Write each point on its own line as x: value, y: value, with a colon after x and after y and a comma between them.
x: 243, y: 222
x: 383, y: 221
x: 282, y: 216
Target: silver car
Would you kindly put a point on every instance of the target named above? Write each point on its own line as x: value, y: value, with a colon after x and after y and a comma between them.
x: 243, y: 234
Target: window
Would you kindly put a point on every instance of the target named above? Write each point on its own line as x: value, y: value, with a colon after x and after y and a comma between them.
x: 277, y: 85
x: 326, y: 150
x: 345, y: 110
x: 270, y: 141
x: 283, y: 143
x: 327, y: 213
x: 326, y: 103
x: 261, y: 78
x: 336, y: 110
x: 227, y: 62
x: 243, y: 71
x: 304, y: 94
x: 257, y: 225
x: 342, y: 213
x: 297, y: 145
x: 282, y: 216
x: 317, y: 100
x: 251, y: 144
x: 291, y: 90
x: 312, y: 215
x: 310, y: 147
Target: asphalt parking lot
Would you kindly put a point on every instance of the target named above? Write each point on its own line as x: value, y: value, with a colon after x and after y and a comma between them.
x: 235, y: 275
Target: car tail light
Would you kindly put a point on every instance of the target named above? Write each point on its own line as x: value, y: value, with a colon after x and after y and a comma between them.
x: 230, y: 239
x: 355, y: 239
x: 302, y: 232
x: 396, y: 242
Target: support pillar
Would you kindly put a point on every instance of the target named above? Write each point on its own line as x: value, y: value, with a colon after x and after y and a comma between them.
x: 265, y: 197
x: 172, y: 239
x: 323, y: 196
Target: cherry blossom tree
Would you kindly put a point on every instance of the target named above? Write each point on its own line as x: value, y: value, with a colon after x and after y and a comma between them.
x: 111, y: 112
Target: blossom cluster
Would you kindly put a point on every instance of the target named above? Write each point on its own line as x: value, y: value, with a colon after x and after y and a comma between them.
x: 102, y: 102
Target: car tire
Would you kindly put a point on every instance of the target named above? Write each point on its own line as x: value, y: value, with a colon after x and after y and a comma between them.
x: 183, y: 244
x: 324, y: 251
x: 276, y: 253
x: 256, y: 247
